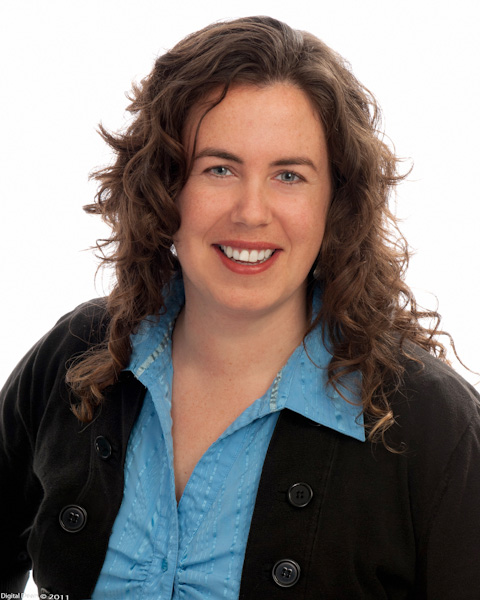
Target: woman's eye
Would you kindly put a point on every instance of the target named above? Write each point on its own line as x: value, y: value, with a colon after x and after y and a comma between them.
x: 220, y: 171
x: 289, y: 177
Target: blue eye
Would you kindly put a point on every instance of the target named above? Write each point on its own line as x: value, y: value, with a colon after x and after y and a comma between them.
x: 220, y: 171
x: 289, y: 177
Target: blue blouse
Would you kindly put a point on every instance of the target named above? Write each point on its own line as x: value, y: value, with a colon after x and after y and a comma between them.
x: 195, y: 550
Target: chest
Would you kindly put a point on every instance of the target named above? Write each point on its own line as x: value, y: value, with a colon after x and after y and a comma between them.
x: 201, y: 412
x: 161, y: 549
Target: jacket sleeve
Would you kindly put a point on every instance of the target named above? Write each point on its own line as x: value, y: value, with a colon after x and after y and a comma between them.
x: 442, y: 419
x: 19, y: 488
x: 451, y: 557
x: 37, y: 380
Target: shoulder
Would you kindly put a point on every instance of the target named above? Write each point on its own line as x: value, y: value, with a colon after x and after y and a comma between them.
x: 45, y: 364
x: 83, y: 327
x: 434, y: 405
x: 431, y: 385
x: 437, y: 424
x: 424, y: 372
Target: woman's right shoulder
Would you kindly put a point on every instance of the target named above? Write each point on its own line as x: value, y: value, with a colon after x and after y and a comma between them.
x: 87, y: 323
x: 78, y: 330
x: 47, y: 361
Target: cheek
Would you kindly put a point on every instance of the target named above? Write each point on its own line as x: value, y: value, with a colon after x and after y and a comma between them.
x: 311, y: 233
x: 198, y: 214
x: 308, y: 225
x: 201, y: 208
x: 314, y: 242
x: 190, y: 210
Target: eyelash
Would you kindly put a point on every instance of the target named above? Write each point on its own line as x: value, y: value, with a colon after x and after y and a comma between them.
x: 296, y: 175
x: 212, y: 169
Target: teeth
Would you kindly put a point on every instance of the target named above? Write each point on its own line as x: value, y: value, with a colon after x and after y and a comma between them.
x: 247, y: 256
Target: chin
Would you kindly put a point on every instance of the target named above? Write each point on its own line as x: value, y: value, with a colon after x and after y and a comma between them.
x: 248, y: 303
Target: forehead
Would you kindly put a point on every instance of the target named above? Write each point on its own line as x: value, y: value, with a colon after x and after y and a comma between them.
x: 279, y: 111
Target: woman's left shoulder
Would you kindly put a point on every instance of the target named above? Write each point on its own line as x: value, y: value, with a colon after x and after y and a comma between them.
x: 434, y: 402
x: 429, y: 377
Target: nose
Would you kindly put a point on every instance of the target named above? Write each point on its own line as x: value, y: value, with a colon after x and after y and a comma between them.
x: 252, y: 206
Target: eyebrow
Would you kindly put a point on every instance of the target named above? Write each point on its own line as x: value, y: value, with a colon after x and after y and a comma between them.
x: 281, y: 162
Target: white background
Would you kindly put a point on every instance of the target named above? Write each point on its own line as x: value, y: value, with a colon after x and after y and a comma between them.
x: 66, y: 66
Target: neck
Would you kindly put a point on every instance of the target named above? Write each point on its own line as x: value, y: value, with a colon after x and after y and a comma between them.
x: 233, y: 344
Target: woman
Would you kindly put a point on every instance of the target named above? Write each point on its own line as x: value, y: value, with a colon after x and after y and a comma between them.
x: 257, y: 409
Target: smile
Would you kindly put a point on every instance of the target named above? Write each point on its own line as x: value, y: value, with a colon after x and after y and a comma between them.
x: 245, y: 256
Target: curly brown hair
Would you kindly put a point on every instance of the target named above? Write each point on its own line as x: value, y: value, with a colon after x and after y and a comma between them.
x: 368, y: 311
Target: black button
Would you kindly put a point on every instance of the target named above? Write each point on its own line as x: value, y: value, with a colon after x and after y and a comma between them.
x: 286, y: 573
x: 300, y: 494
x: 73, y: 518
x: 103, y: 447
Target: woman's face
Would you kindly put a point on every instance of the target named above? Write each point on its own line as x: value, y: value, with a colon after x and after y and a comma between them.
x: 254, y: 207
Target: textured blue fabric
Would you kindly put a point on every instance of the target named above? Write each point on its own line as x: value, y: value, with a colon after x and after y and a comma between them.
x: 195, y: 550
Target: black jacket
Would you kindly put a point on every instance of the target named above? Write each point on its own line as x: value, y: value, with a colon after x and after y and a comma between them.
x: 369, y: 523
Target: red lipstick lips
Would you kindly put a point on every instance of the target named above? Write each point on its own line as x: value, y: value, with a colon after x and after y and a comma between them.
x: 247, y: 258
